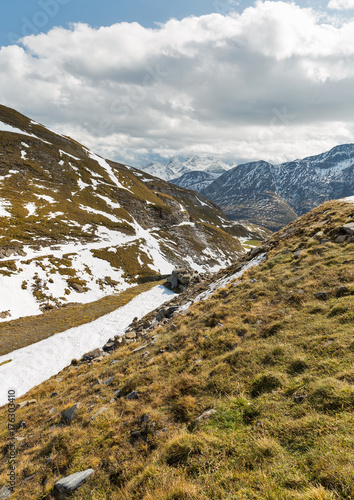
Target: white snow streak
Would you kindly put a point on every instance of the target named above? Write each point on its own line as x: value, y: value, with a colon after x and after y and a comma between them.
x: 36, y: 363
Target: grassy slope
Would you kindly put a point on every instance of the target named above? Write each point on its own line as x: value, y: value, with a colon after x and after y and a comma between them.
x: 273, y: 361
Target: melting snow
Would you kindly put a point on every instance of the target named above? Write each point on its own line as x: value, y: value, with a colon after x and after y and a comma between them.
x: 90, y: 210
x: 36, y: 363
x: 108, y: 169
x: 31, y: 208
x: 3, y: 211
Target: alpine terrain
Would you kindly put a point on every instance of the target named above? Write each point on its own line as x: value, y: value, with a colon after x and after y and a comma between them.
x: 273, y: 195
x: 239, y: 388
x: 76, y: 228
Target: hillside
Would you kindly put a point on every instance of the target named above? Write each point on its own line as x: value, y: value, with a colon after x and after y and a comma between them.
x: 246, y: 393
x: 285, y: 190
x: 76, y: 228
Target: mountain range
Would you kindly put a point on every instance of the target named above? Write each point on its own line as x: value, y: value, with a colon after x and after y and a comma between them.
x: 175, y: 169
x: 273, y: 195
x: 76, y: 227
x: 270, y: 195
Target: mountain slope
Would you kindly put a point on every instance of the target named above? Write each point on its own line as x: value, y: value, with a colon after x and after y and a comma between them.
x: 248, y: 192
x: 247, y: 393
x: 290, y: 188
x: 75, y: 227
x: 196, y: 180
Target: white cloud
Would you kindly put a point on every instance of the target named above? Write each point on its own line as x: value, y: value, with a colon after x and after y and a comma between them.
x: 341, y: 4
x: 274, y: 82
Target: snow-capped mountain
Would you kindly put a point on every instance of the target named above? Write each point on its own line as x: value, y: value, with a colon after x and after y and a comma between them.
x: 175, y: 168
x: 75, y: 227
x: 273, y: 195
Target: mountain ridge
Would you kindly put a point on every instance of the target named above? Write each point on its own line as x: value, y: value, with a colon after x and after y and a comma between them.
x: 298, y: 186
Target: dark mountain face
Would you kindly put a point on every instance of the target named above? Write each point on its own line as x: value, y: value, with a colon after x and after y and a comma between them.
x: 196, y: 180
x: 273, y: 195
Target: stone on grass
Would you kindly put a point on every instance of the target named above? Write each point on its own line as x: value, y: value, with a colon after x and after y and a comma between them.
x: 133, y: 395
x: 5, y: 492
x: 205, y: 416
x: 321, y: 295
x: 97, y: 414
x: 349, y: 228
x: 109, y: 381
x: 73, y: 482
x: 69, y: 414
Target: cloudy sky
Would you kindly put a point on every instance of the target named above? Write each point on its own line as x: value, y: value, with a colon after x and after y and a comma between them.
x: 137, y: 80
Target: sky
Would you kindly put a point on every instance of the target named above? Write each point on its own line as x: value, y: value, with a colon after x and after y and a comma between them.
x: 143, y: 80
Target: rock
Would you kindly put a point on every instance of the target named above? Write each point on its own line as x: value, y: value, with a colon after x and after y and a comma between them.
x: 130, y: 335
x: 77, y: 287
x: 110, y: 381
x: 299, y: 399
x: 298, y: 253
x: 145, y: 419
x: 160, y: 315
x: 117, y: 394
x: 319, y: 236
x: 110, y: 346
x: 173, y: 281
x: 133, y: 395
x: 170, y: 311
x: 31, y: 401
x: 5, y: 492
x: 69, y: 414
x: 341, y: 238
x: 205, y: 416
x: 22, y: 425
x: 349, y: 228
x: 53, y: 394
x: 342, y: 291
x: 96, y: 353
x: 21, y: 405
x: 321, y: 295
x: 141, y: 348
x: 97, y: 414
x: 73, y: 482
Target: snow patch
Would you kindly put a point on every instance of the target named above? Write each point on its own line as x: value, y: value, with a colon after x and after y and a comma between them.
x: 36, y: 363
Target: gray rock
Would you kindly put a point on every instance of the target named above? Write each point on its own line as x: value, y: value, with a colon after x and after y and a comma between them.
x: 133, y: 395
x: 73, y: 482
x: 110, y: 381
x: 349, y: 228
x: 321, y: 295
x: 69, y: 414
x: 341, y: 238
x: 96, y: 353
x: 5, y: 492
x: 97, y: 414
x: 205, y: 416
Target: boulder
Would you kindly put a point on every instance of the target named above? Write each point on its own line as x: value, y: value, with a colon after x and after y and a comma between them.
x: 96, y: 353
x: 73, y: 482
x: 349, y: 228
x: 69, y: 414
